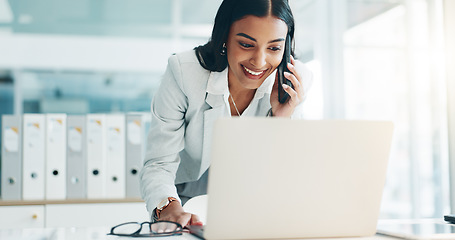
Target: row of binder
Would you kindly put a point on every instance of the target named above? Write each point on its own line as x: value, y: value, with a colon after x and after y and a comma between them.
x: 59, y: 156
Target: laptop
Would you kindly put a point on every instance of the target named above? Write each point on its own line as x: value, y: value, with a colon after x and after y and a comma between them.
x: 275, y: 178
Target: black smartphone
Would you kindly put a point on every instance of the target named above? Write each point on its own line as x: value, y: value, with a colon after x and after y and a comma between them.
x: 450, y: 218
x: 283, y: 67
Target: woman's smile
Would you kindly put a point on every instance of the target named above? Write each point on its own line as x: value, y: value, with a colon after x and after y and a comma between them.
x: 253, y: 74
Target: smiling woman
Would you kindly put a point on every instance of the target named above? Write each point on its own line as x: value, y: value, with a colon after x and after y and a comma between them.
x: 255, y: 48
x: 251, y: 57
x: 231, y: 75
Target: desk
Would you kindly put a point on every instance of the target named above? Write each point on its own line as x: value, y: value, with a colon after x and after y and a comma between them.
x: 99, y: 233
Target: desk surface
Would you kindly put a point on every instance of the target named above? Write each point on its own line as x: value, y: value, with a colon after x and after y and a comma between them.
x: 99, y: 233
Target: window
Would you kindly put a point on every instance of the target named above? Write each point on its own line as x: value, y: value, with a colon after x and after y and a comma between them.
x: 384, y: 60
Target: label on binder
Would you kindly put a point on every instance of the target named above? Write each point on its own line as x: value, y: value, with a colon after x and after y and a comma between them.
x: 11, y: 139
x: 75, y: 139
x: 134, y: 132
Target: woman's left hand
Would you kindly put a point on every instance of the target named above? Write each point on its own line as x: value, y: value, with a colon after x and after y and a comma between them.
x: 295, y: 95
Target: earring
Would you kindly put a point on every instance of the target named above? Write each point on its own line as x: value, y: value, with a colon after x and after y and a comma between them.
x: 223, y: 50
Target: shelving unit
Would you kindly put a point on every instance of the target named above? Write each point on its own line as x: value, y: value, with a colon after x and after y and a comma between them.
x: 71, y: 213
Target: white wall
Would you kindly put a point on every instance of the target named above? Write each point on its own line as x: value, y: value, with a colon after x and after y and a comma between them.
x: 51, y: 52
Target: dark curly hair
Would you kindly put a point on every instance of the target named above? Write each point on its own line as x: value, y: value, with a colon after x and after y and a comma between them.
x: 230, y: 11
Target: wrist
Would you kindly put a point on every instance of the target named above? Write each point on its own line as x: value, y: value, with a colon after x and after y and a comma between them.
x: 164, y: 204
x: 282, y: 113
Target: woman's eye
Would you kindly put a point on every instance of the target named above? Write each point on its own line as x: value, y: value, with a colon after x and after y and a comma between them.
x: 245, y: 45
x: 275, y: 49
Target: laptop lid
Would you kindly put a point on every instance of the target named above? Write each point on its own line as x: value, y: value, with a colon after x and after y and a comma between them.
x: 283, y: 178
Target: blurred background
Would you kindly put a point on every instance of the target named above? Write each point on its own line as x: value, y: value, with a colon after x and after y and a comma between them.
x: 372, y: 59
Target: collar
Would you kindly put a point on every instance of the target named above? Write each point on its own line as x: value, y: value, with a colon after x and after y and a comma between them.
x: 218, y: 83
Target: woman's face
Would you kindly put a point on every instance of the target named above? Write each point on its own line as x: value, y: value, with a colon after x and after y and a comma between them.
x: 255, y: 47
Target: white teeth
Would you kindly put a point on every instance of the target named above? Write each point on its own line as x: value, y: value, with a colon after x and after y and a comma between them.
x: 252, y: 72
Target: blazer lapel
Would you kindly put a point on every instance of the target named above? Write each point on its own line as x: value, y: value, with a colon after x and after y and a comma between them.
x: 216, y: 88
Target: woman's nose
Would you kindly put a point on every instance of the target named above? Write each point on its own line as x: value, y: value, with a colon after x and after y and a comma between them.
x: 258, y: 59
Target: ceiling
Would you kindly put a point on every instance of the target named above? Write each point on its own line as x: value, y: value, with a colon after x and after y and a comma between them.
x: 140, y: 18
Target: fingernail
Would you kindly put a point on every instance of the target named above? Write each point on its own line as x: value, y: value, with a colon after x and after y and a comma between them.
x: 285, y: 86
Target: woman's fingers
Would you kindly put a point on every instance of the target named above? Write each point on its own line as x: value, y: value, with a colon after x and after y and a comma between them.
x: 187, y: 219
x: 291, y: 68
x: 195, y: 220
x: 183, y: 218
x: 293, y: 100
x: 295, y: 82
x: 296, y: 93
x: 164, y: 227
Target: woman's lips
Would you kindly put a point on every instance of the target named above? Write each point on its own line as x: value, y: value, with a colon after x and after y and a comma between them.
x: 253, y: 74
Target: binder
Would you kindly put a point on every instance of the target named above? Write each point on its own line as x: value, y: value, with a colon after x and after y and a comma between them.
x: 115, y: 150
x: 96, y: 156
x: 76, y: 161
x: 11, y: 163
x: 55, y: 156
x: 137, y: 126
x: 33, y: 152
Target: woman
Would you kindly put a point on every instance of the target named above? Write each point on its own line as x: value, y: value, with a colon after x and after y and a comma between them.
x: 231, y: 75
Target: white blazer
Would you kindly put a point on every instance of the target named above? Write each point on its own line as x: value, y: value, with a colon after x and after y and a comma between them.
x: 184, y: 109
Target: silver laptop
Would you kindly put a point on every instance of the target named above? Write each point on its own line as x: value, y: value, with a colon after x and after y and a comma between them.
x: 283, y: 178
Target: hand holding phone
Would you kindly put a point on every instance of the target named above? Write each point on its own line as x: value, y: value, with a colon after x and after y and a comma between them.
x: 282, y: 68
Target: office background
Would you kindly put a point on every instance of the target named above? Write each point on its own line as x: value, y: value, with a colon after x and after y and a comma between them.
x: 372, y: 59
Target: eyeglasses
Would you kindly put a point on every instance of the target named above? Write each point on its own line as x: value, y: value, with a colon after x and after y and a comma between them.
x: 155, y: 229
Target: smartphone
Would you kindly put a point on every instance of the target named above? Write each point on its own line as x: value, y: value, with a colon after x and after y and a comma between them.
x: 450, y: 218
x: 283, y: 67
